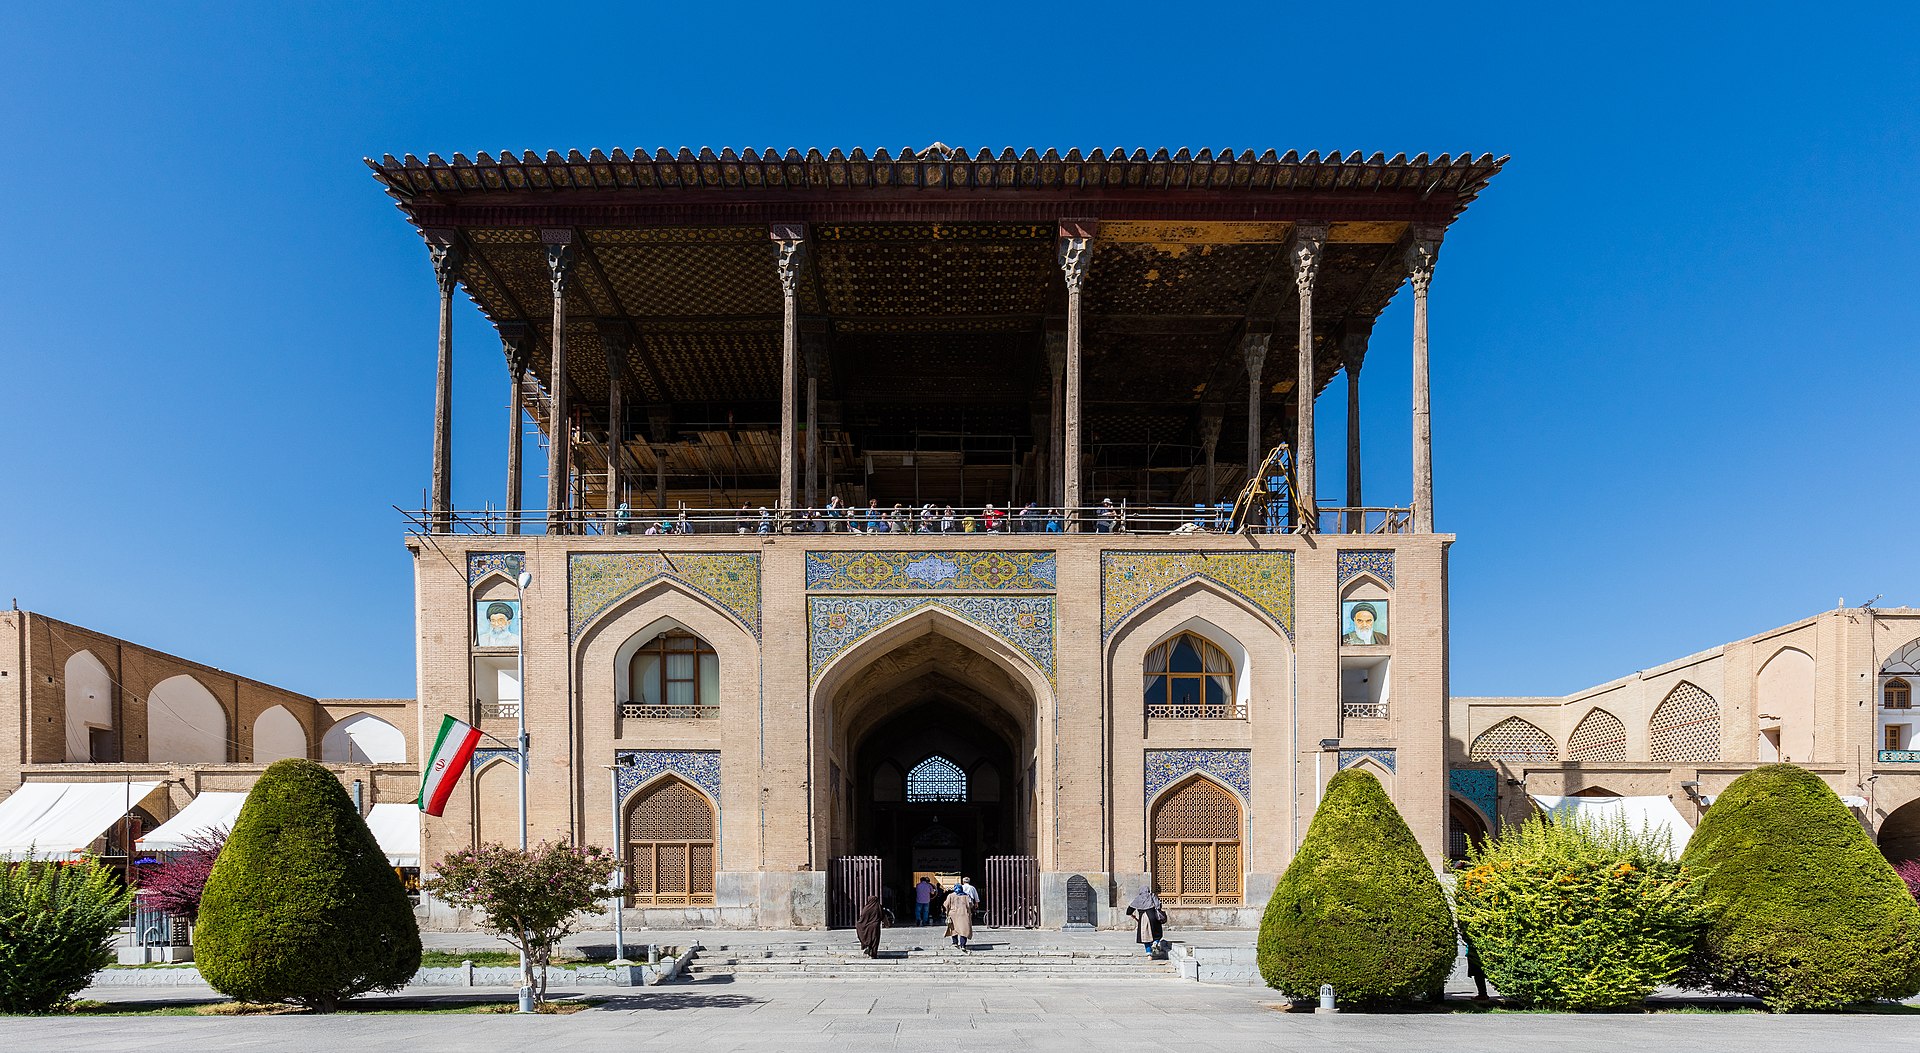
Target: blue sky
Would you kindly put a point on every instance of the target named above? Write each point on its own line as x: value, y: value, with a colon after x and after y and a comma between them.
x: 1674, y: 368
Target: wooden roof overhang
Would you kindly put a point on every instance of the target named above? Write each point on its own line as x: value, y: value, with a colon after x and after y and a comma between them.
x: 931, y: 278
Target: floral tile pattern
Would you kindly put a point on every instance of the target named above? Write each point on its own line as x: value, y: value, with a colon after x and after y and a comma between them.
x: 482, y: 758
x: 1475, y: 786
x: 481, y: 564
x: 1382, y: 757
x: 836, y: 623
x: 596, y: 582
x: 638, y: 767
x: 1131, y: 580
x: 996, y: 571
x: 1377, y: 562
x: 1233, y: 769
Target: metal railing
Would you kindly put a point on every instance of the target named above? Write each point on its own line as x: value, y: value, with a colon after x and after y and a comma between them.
x: 653, y: 711
x: 1196, y: 711
x: 1118, y: 517
x: 1364, y: 710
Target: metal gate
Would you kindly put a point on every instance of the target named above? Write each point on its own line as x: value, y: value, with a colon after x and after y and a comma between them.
x: 1012, y: 892
x: 851, y: 881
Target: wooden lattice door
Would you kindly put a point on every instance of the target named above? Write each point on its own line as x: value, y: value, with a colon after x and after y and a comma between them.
x: 670, y: 847
x: 1196, y: 845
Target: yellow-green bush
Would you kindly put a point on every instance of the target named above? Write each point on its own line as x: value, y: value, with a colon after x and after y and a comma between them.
x: 1577, y: 915
x: 56, y: 928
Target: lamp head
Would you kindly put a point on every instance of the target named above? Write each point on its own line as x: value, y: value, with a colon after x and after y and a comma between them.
x: 526, y: 580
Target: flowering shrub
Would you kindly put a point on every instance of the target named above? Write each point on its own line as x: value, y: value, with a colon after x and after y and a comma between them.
x: 1573, y: 914
x: 529, y: 898
x: 175, y: 885
x: 56, y: 921
x: 1909, y: 871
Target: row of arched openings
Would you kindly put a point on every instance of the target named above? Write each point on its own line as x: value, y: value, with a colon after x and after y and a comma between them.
x: 1685, y: 727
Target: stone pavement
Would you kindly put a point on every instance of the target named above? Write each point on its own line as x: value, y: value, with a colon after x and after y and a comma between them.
x: 796, y: 1016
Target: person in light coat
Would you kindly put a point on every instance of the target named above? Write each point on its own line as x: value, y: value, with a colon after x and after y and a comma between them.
x: 959, y: 908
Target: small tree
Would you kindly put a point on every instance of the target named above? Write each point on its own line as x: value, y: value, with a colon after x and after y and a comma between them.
x: 1808, y: 914
x: 56, y: 924
x: 529, y: 898
x: 302, y: 906
x: 1359, y: 908
x: 1572, y: 914
x: 175, y: 884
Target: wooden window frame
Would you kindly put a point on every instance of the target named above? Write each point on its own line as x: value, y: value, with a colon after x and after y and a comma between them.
x: 1231, y: 709
x: 671, y: 642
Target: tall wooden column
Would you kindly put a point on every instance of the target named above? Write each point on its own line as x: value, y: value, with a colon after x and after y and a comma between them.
x: 444, y: 249
x: 1056, y: 444
x: 791, y: 239
x: 1420, y: 259
x: 814, y: 355
x: 1353, y: 351
x: 513, y: 340
x: 1253, y: 351
x: 614, y: 338
x: 1305, y: 254
x: 559, y: 245
x: 1076, y: 253
x: 1209, y: 445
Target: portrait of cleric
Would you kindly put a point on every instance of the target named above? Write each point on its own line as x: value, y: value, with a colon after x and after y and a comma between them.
x: 497, y: 623
x: 1363, y: 622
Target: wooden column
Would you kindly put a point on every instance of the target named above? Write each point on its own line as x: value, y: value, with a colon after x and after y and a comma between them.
x: 443, y: 247
x: 614, y: 338
x: 1420, y: 260
x: 791, y: 239
x: 1076, y: 252
x: 1039, y: 419
x: 660, y: 432
x: 1305, y: 254
x: 1353, y: 350
x: 1056, y: 366
x: 815, y: 353
x: 1253, y: 351
x: 1210, y: 444
x: 513, y: 339
x: 559, y: 245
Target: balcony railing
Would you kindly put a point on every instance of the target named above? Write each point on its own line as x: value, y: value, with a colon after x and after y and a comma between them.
x: 1364, y: 710
x: 500, y: 710
x: 1116, y: 518
x: 651, y: 711
x: 1899, y: 757
x: 1197, y: 711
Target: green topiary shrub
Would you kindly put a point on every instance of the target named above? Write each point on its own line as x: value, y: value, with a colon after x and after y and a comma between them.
x: 1571, y: 914
x: 1808, y: 914
x: 301, y: 906
x: 56, y: 924
x: 1360, y: 907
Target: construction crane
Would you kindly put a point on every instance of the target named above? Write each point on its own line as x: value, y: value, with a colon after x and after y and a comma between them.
x: 1262, y: 505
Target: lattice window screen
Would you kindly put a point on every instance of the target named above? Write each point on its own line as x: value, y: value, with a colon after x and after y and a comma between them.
x: 1196, y: 845
x: 1514, y: 739
x: 670, y: 852
x: 1600, y: 736
x: 936, y: 779
x: 1686, y: 727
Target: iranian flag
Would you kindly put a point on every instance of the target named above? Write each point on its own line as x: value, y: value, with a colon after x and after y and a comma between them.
x: 451, y: 752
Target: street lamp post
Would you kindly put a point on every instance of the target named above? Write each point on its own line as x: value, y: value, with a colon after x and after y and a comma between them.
x: 619, y: 875
x: 520, y: 659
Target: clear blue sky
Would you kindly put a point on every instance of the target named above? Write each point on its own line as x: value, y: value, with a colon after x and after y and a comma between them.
x: 1674, y: 358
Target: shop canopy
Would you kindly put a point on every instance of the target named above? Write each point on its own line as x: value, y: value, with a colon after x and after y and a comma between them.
x: 212, y: 810
x: 1653, y: 814
x: 397, y: 828
x: 59, y: 820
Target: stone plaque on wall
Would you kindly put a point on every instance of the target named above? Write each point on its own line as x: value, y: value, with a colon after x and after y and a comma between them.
x: 1080, y: 904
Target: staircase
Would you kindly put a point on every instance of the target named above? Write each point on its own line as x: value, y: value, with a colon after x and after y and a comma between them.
x: 928, y: 957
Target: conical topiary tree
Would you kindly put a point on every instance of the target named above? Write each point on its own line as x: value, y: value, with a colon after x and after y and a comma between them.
x: 1807, y: 913
x: 1360, y: 907
x: 302, y: 906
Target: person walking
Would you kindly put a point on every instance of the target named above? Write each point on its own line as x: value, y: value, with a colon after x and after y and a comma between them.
x: 874, y: 916
x: 965, y: 888
x: 1148, y: 916
x: 959, y: 908
x: 922, y: 901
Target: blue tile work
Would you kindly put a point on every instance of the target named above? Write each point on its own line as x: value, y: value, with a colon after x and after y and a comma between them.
x: 481, y: 564
x: 1382, y: 757
x: 1131, y: 580
x: 481, y: 758
x: 1232, y: 768
x: 699, y: 767
x: 730, y: 579
x: 1474, y: 785
x: 995, y: 571
x: 1377, y: 562
x: 836, y: 623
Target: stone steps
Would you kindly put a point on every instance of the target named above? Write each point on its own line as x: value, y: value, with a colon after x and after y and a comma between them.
x: 932, y: 963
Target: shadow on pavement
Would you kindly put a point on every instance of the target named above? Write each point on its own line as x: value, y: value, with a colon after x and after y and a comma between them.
x: 659, y: 999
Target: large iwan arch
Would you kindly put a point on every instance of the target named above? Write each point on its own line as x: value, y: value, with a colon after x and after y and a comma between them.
x: 185, y: 723
x: 89, y: 696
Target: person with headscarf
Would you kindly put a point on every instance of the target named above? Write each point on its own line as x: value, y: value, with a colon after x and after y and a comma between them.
x: 873, y: 917
x: 959, y: 908
x: 1148, y: 916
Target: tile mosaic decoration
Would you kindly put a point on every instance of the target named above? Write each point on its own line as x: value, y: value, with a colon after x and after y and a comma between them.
x: 1377, y: 562
x: 699, y: 767
x: 482, y: 758
x: 1382, y: 757
x: 596, y: 582
x: 1233, y: 769
x: 481, y: 564
x: 1131, y: 580
x: 836, y: 623
x: 1475, y: 786
x: 996, y: 571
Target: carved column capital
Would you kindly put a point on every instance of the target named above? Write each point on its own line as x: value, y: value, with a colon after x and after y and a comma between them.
x: 813, y: 354
x: 1303, y: 251
x: 513, y: 340
x: 443, y: 248
x: 1057, y: 351
x: 1210, y: 429
x: 791, y: 238
x: 559, y: 243
x: 1253, y: 351
x: 615, y: 338
x: 1076, y: 252
x: 1353, y: 342
x: 1421, y: 255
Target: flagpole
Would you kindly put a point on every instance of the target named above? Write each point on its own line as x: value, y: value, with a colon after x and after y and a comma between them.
x: 520, y: 658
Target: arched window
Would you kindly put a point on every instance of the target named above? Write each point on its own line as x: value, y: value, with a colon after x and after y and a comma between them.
x: 675, y: 674
x: 1196, y: 844
x: 670, y: 834
x: 1514, y: 739
x: 1188, y: 676
x: 1465, y: 829
x: 1686, y: 726
x: 1600, y: 736
x: 1897, y: 694
x: 936, y: 779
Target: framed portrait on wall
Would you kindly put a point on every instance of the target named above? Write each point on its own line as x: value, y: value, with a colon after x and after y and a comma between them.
x: 1363, y: 622
x: 496, y: 623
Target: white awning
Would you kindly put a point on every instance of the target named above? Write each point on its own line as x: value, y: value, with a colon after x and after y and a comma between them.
x: 212, y: 810
x: 397, y: 828
x: 58, y: 820
x: 1655, y: 814
x: 1857, y: 803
